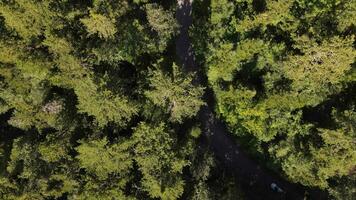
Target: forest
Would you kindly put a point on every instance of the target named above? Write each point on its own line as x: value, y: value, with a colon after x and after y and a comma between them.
x: 97, y: 102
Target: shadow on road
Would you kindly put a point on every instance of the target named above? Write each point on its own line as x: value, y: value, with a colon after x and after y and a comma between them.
x: 255, y: 180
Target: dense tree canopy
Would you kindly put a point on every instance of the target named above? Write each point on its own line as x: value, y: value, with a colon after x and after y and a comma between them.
x: 79, y: 83
x: 283, y: 73
x: 94, y: 103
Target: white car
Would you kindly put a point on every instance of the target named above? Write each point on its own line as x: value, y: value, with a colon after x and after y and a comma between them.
x: 275, y: 188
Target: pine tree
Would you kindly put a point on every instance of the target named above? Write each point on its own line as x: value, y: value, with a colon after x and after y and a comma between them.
x: 161, y: 165
x: 175, y: 94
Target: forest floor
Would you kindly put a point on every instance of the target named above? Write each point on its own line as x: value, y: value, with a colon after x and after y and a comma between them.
x: 254, y: 179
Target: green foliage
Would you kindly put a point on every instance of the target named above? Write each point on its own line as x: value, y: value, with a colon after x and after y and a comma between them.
x: 110, y: 163
x: 73, y: 84
x: 53, y: 150
x: 201, y: 192
x: 195, y: 132
x: 344, y: 187
x: 35, y: 179
x: 277, y: 68
x: 102, y: 160
x: 93, y: 108
x: 103, y: 105
x: 347, y: 17
x: 160, y: 165
x: 161, y: 21
x: 321, y: 70
x: 175, y: 94
x: 99, y: 24
x: 238, y: 111
x: 27, y: 18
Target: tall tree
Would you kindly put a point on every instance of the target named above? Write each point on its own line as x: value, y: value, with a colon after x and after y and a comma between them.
x: 277, y: 69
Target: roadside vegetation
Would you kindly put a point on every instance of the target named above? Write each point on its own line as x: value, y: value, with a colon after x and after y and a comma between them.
x: 94, y: 103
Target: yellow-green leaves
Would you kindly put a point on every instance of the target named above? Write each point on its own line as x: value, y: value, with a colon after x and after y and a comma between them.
x: 227, y: 59
x: 73, y: 76
x: 175, y: 94
x: 277, y: 13
x: 161, y: 21
x: 103, y: 104
x: 103, y: 159
x: 347, y: 18
x: 322, y: 68
x: 99, y: 24
x: 27, y: 17
x: 159, y: 162
x: 277, y: 69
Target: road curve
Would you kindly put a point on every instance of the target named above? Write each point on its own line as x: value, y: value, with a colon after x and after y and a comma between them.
x: 255, y: 180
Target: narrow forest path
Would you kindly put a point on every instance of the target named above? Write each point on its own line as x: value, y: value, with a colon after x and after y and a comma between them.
x: 255, y: 180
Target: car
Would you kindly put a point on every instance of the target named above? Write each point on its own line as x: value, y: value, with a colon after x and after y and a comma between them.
x: 275, y: 188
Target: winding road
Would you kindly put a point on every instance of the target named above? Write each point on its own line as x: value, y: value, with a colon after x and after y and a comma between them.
x: 254, y: 179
